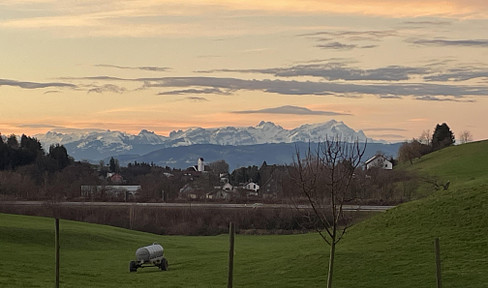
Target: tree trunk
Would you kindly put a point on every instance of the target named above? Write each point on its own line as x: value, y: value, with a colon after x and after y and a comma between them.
x: 331, y: 264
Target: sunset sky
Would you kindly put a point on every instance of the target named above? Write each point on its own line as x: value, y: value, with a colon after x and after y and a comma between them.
x: 390, y: 68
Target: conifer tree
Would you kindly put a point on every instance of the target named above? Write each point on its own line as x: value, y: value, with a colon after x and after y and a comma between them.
x: 442, y: 137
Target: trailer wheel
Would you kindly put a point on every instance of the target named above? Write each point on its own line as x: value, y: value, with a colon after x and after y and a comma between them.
x: 164, y: 264
x: 132, y: 266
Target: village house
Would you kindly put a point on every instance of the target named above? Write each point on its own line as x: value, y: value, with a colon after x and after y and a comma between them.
x: 115, y: 178
x: 378, y: 161
x: 191, y: 193
x: 223, y: 195
x: 251, y: 189
x: 224, y: 192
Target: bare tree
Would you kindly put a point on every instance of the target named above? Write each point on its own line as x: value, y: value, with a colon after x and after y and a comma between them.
x: 466, y: 137
x: 409, y: 151
x: 425, y: 138
x: 324, y: 178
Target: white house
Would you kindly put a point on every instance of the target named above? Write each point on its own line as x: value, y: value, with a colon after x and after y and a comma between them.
x: 227, y: 187
x: 378, y: 161
x: 252, y: 186
x: 251, y: 189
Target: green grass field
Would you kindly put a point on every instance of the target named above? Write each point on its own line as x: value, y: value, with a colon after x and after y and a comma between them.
x: 391, y: 249
x: 98, y: 256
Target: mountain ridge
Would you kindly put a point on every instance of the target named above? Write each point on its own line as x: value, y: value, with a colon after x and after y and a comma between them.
x: 94, y: 145
x: 264, y: 132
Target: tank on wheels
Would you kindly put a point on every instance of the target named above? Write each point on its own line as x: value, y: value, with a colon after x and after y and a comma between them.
x: 149, y: 256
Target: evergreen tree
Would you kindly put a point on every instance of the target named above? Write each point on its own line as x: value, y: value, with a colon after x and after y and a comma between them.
x: 442, y: 137
x: 60, y: 155
x: 245, y: 174
x: 12, y: 142
x: 4, y: 154
x: 114, y: 165
x: 30, y: 149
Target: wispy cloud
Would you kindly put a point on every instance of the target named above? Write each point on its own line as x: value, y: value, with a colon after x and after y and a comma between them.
x: 459, y: 74
x: 197, y: 99
x: 291, y: 110
x: 348, y: 40
x: 214, y: 91
x: 336, y: 46
x: 52, y: 92
x: 144, y: 68
x: 370, y: 35
x: 107, y: 88
x: 38, y: 126
x: 104, y: 78
x: 443, y: 99
x: 34, y: 85
x: 422, y: 24
x: 443, y: 42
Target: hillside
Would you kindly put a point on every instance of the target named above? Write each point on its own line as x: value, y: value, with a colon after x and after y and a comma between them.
x: 392, y: 249
x: 396, y: 249
x: 462, y: 165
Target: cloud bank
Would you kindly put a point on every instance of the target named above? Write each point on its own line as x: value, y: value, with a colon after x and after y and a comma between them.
x: 337, y: 71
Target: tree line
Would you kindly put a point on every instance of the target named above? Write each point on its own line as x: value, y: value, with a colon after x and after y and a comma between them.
x: 29, y: 151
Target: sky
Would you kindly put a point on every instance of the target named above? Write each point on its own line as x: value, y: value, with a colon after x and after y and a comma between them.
x: 393, y: 69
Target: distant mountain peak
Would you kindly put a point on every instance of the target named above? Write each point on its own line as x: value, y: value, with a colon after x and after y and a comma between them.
x: 144, y: 131
x: 265, y: 123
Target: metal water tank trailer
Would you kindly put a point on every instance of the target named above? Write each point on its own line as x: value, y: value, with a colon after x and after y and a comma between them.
x: 151, y: 255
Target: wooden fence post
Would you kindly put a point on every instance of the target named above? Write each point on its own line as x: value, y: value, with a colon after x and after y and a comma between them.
x: 438, y: 262
x: 131, y: 216
x: 231, y: 255
x: 56, y: 249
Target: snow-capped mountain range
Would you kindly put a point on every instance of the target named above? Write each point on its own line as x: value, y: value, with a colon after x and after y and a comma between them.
x: 96, y: 145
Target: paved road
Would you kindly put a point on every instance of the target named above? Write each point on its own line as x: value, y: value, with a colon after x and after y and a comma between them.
x: 359, y: 208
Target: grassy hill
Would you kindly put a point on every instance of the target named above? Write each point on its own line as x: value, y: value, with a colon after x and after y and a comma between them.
x: 392, y: 249
x: 396, y: 249
x: 462, y: 165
